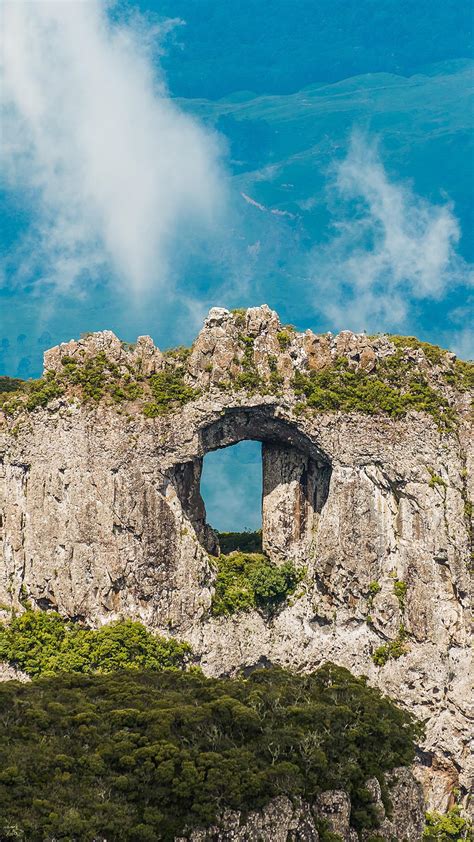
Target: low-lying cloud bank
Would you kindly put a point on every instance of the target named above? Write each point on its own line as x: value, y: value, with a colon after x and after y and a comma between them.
x: 390, y: 247
x: 108, y: 165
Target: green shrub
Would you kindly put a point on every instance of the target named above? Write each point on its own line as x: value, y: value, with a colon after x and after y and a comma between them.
x: 374, y: 589
x: 239, y: 314
x: 462, y: 375
x: 435, y: 479
x: 181, y: 354
x: 325, y: 834
x: 11, y: 402
x: 10, y: 384
x: 169, y: 391
x: 42, y: 643
x: 99, y: 377
x: 400, y: 590
x: 246, y: 542
x: 129, y: 390
x: 92, y: 374
x: 41, y: 392
x: 392, y: 649
x: 248, y: 378
x: 433, y: 353
x: 450, y: 827
x: 135, y: 755
x: 284, y: 337
x: 393, y: 390
x: 250, y: 580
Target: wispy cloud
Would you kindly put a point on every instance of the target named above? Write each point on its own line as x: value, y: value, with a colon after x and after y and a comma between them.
x: 110, y: 168
x: 389, y: 248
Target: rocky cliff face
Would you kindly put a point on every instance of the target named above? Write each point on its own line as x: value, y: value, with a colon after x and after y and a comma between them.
x: 286, y: 821
x: 368, y: 473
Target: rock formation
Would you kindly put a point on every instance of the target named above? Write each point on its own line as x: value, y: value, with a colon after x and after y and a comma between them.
x: 367, y: 477
x: 283, y: 820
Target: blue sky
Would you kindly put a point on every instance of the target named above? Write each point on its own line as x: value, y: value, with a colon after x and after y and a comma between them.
x: 316, y: 156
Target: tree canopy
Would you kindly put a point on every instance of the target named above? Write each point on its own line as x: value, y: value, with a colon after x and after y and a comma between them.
x: 142, y: 755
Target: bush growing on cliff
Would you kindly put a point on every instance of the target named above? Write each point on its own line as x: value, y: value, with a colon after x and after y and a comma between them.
x: 450, y: 827
x: 42, y: 643
x: 391, y: 650
x: 250, y: 580
x: 41, y: 392
x: 169, y: 390
x: 141, y: 756
x: 16, y: 394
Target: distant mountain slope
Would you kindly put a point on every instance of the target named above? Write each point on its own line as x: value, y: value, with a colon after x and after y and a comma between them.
x: 279, y: 46
x: 282, y: 146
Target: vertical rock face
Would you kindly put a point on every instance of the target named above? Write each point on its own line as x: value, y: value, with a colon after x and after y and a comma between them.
x: 295, y: 489
x: 367, y: 471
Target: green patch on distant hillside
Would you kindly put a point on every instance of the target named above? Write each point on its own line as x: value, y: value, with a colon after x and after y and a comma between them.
x: 43, y: 643
x: 142, y: 756
x: 250, y: 580
x: 10, y: 384
x: 245, y: 542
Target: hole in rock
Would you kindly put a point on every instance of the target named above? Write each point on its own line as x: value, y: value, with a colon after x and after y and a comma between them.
x: 254, y: 470
x: 231, y: 488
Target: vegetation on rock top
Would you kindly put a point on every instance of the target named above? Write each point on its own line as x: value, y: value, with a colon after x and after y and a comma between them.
x: 399, y: 382
x: 394, y: 389
x: 143, y: 755
x: 169, y: 390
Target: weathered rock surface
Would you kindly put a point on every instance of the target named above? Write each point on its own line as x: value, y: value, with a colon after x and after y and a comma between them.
x: 285, y: 821
x: 9, y: 673
x: 101, y: 516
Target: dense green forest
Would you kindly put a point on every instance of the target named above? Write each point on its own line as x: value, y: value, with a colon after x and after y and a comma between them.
x: 141, y: 755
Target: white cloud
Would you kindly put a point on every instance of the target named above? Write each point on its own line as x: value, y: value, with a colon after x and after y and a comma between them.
x: 106, y: 162
x: 390, y: 248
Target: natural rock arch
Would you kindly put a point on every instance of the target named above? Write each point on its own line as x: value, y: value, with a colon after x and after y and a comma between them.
x: 295, y: 479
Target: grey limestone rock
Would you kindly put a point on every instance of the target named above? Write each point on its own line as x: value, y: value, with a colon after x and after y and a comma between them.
x: 283, y: 820
x: 101, y: 515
